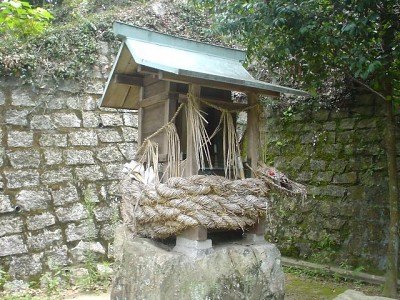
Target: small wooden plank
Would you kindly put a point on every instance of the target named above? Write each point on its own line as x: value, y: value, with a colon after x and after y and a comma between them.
x: 156, y: 88
x: 119, y: 94
x: 152, y: 121
x: 126, y: 64
x: 258, y: 228
x: 163, y: 97
x: 153, y: 100
x: 169, y: 111
x: 131, y: 99
x: 153, y: 116
x: 128, y: 79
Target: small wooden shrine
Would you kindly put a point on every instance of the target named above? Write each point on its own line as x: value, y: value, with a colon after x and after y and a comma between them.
x: 182, y: 90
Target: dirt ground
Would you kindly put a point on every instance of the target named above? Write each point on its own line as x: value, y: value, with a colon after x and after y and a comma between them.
x: 297, y: 287
x: 102, y: 296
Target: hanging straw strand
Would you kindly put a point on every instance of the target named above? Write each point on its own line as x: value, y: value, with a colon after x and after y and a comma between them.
x: 199, y: 133
x: 162, y: 128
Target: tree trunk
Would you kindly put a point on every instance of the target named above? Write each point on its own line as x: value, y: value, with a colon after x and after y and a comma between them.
x: 390, y: 287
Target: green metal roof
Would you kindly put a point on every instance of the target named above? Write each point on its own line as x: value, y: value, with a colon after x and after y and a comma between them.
x: 179, y: 59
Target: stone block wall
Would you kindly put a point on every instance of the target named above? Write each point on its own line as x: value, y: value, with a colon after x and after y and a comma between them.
x: 61, y: 157
x: 60, y: 161
x: 340, y: 156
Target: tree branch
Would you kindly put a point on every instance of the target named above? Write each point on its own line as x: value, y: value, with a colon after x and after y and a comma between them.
x: 368, y: 88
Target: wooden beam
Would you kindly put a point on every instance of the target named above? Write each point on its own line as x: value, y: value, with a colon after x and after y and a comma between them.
x: 327, y: 269
x: 128, y: 79
x: 214, y: 84
x: 158, y: 98
x: 150, y: 79
x: 222, y: 104
x: 204, y: 82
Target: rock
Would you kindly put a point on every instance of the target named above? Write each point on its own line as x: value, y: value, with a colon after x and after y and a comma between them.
x: 20, y: 139
x: 59, y: 175
x: 5, y: 204
x: 17, y: 117
x: 10, y: 245
x: 104, y: 270
x: 10, y: 224
x: 75, y: 212
x: 21, y: 178
x: 20, y: 159
x: 53, y: 140
x: 355, y: 295
x: 65, y: 195
x: 83, y: 249
x: 32, y: 200
x: 109, y: 154
x: 111, y: 119
x: 16, y: 286
x: 83, y: 138
x: 145, y: 269
x: 79, y: 157
x: 23, y: 267
x: 44, y: 240
x: 86, y: 230
x: 89, y: 173
x: 66, y: 120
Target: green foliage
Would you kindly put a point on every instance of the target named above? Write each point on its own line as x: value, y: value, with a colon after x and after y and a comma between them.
x: 20, y: 20
x: 317, y: 40
x: 304, y: 271
x: 324, y: 250
x: 93, y: 279
x: 4, y: 277
x: 52, y: 283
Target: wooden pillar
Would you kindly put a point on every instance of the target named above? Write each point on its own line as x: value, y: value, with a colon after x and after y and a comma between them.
x: 198, y: 233
x: 253, y: 131
x: 191, y: 164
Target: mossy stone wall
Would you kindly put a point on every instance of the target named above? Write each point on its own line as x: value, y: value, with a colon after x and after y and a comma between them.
x: 61, y: 157
x: 339, y: 154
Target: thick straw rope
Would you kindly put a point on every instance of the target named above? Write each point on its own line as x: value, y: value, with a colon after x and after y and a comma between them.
x: 163, y: 210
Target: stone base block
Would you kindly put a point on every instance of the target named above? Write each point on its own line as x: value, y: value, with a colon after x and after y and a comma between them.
x: 145, y: 269
x: 252, y: 238
x: 193, y: 248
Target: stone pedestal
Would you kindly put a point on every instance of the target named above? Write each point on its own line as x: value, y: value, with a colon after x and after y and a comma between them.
x: 145, y: 269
